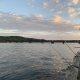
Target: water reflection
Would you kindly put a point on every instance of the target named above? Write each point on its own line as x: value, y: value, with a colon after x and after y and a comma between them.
x: 24, y: 61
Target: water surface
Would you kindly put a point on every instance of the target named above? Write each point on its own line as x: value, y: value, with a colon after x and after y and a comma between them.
x: 34, y: 61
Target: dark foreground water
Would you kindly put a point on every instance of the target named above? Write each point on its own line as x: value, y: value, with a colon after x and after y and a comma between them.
x: 35, y: 61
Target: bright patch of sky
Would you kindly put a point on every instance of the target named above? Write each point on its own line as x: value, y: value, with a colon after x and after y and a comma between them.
x: 34, y: 18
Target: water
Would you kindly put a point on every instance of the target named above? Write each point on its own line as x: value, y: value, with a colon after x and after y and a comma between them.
x: 34, y: 61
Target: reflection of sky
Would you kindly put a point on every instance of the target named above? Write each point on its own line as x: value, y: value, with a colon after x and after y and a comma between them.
x: 26, y: 59
x: 52, y: 17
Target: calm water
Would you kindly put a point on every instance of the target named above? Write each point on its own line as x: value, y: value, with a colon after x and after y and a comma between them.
x: 35, y: 61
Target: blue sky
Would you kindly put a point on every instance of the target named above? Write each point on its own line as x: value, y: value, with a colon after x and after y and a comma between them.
x: 35, y: 18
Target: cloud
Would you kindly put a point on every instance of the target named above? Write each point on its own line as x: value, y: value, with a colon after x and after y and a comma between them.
x: 35, y: 17
x: 69, y: 3
x: 59, y: 12
x: 13, y: 21
x: 75, y: 15
x: 79, y: 8
x: 8, y: 31
x: 75, y: 1
x: 70, y: 10
x: 59, y: 20
x: 56, y: 19
x: 54, y: 1
x: 45, y: 4
x: 31, y: 0
x: 64, y: 25
x: 60, y: 6
x: 51, y: 10
x: 78, y: 27
x: 34, y: 25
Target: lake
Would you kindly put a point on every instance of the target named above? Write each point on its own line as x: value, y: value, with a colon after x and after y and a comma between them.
x: 35, y: 61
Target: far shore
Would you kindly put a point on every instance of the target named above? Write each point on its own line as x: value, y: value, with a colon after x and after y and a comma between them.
x: 19, y: 39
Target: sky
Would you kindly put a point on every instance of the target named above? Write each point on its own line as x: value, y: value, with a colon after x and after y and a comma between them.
x: 47, y: 19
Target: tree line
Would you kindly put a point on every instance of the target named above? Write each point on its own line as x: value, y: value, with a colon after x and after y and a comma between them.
x: 16, y: 39
x: 19, y: 39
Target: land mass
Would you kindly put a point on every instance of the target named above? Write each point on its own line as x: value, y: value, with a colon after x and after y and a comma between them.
x: 19, y: 39
x: 16, y: 39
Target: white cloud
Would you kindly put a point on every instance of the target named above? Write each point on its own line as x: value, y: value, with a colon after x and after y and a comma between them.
x: 60, y: 6
x: 59, y: 12
x: 75, y: 1
x: 75, y: 15
x: 56, y: 19
x: 45, y: 4
x: 78, y: 27
x: 33, y: 25
x: 79, y: 8
x: 70, y: 10
x: 35, y: 17
x: 51, y: 10
x: 59, y: 20
x: 31, y: 0
x: 8, y: 31
x: 69, y: 3
x: 64, y: 25
x: 54, y: 1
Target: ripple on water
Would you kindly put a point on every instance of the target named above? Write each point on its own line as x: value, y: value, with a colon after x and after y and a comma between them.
x: 46, y: 58
x: 41, y: 74
x: 32, y: 61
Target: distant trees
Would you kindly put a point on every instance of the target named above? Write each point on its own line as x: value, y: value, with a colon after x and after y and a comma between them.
x: 19, y: 39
